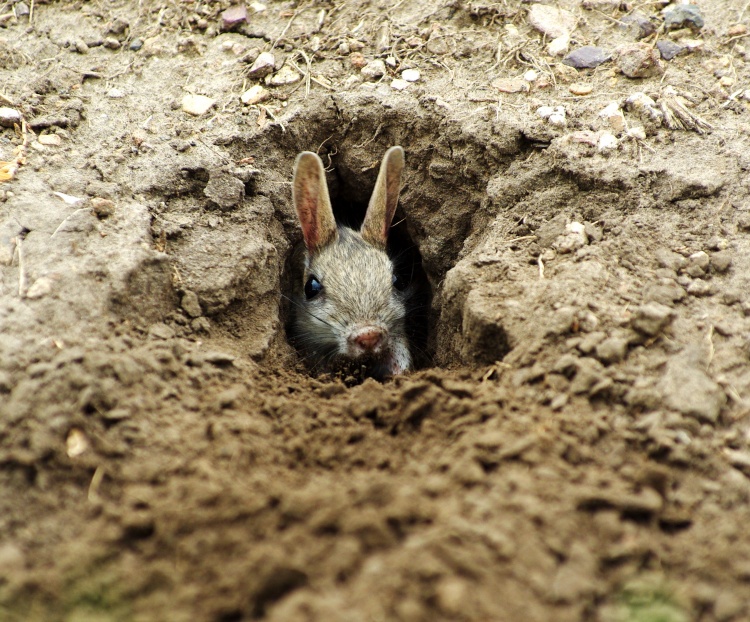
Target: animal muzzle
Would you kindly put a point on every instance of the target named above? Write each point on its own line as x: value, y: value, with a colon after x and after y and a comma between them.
x: 367, y: 340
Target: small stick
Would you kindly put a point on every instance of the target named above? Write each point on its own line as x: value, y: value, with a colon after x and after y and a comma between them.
x: 541, y: 266
x: 21, y: 268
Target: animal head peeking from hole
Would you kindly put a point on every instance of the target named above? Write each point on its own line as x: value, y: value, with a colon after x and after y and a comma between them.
x: 349, y: 305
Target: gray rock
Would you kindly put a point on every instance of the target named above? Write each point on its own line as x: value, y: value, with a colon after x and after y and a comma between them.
x: 224, y: 189
x: 639, y: 60
x: 587, y: 57
x: 665, y: 293
x: 687, y: 388
x: 698, y: 264
x: 638, y: 25
x: 721, y: 261
x: 161, y: 331
x: 683, y: 16
x: 669, y: 49
x: 612, y: 350
x: 191, y: 304
x: 374, y: 69
x: 136, y: 44
x: 699, y: 287
x: 652, y: 318
x: 233, y: 17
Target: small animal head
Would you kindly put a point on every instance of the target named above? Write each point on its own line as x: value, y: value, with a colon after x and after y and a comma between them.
x: 349, y: 307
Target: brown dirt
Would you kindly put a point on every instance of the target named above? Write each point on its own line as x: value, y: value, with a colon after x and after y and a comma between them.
x: 580, y: 449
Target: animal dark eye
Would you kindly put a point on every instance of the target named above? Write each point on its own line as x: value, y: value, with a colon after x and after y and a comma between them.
x: 398, y: 282
x: 312, y: 287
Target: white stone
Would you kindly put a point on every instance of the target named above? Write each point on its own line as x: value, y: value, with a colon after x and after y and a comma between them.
x: 391, y: 61
x: 285, y: 75
x: 637, y: 132
x: 374, y: 69
x: 197, y: 104
x: 614, y: 116
x: 50, y: 140
x: 254, y: 95
x: 41, y: 287
x: 557, y: 119
x: 552, y: 21
x: 530, y: 75
x: 399, y: 84
x: 545, y: 111
x: 559, y: 45
x: 411, y: 75
x: 115, y: 94
x: 607, y: 142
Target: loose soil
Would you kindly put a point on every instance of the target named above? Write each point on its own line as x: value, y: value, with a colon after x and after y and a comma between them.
x: 576, y: 445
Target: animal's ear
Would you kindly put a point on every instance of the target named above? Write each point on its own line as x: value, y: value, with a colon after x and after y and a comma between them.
x: 384, y: 198
x: 311, y: 200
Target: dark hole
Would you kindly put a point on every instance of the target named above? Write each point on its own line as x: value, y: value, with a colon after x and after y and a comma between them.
x: 278, y: 583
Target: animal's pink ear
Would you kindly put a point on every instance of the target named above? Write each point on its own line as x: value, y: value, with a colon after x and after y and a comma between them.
x: 384, y: 198
x: 311, y: 200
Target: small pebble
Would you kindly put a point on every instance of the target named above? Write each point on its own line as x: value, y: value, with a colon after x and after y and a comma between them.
x: 103, y: 208
x: 197, y: 104
x: 613, y: 115
x: 698, y: 263
x: 41, y: 287
x: 700, y: 288
x: 638, y: 24
x: 639, y: 60
x: 191, y: 304
x: 374, y: 69
x: 285, y: 75
x: 559, y: 45
x: 612, y: 350
x: 81, y: 46
x: 399, y: 84
x: 136, y: 44
x: 637, y: 132
x: 580, y: 88
x: 357, y: 60
x: 652, y: 318
x: 721, y: 261
x: 607, y: 142
x: 111, y: 43
x: 693, y: 44
x: 558, y: 120
x: 437, y: 44
x: 669, y: 49
x: 255, y: 94
x: 683, y: 16
x: 530, y: 76
x: 545, y: 111
x: 233, y: 16
x: 262, y: 66
x: 552, y: 21
x: 587, y: 57
x: 50, y: 140
x: 22, y: 9
x: 511, y: 85
x: 161, y: 331
x: 411, y: 75
x: 115, y: 94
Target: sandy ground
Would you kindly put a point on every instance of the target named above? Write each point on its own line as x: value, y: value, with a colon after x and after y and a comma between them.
x: 576, y: 445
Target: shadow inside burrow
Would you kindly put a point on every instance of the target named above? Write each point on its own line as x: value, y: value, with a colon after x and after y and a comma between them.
x: 350, y: 193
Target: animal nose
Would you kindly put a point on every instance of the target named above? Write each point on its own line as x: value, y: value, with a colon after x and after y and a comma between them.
x: 368, y: 339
